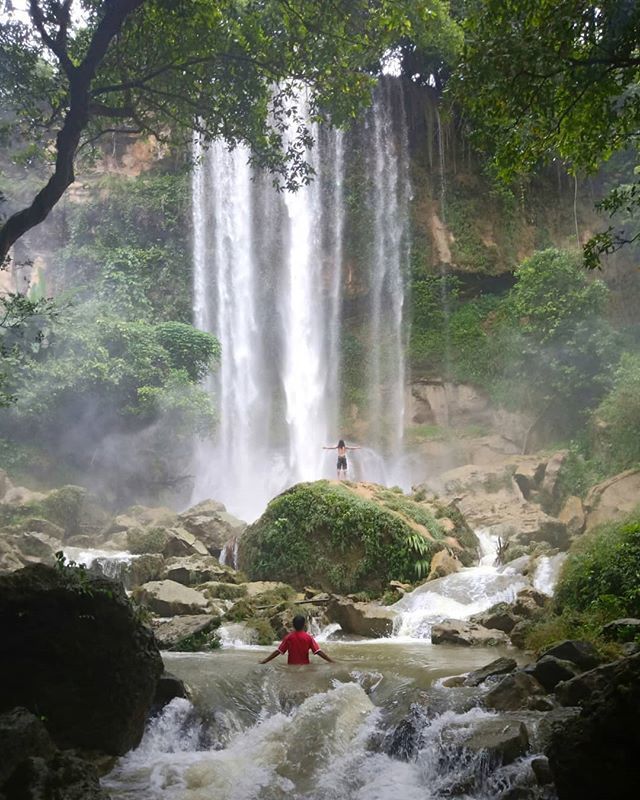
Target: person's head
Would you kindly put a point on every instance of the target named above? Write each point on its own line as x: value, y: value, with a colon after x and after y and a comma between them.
x: 299, y: 622
x: 341, y: 443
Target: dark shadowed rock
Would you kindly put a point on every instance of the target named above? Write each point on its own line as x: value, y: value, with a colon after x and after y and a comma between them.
x: 500, y: 617
x: 529, y: 604
x: 550, y: 671
x: 63, y: 777
x: 22, y: 734
x: 501, y: 666
x: 168, y: 688
x: 513, y: 692
x: 405, y: 739
x: 74, y: 652
x: 519, y: 633
x: 595, y: 754
x: 579, y: 652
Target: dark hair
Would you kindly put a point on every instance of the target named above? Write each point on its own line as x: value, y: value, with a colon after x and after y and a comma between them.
x: 341, y: 443
x: 298, y: 622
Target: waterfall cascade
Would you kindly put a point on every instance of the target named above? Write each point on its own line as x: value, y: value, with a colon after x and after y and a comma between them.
x: 270, y: 270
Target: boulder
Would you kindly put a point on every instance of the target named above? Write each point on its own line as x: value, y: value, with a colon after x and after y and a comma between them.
x: 622, y: 630
x: 63, y: 777
x: 212, y: 524
x: 499, y: 617
x: 361, y: 619
x: 143, y: 569
x: 20, y: 496
x: 501, y: 666
x: 35, y: 547
x: 529, y: 603
x: 443, y: 564
x: 573, y: 516
x: 10, y: 558
x: 193, y: 570
x: 552, y: 472
x: 182, y: 543
x: 595, y: 754
x: 326, y: 549
x: 171, y: 632
x: 578, y: 652
x: 75, y: 510
x: 142, y: 517
x: 513, y: 692
x: 167, y: 689
x: 549, y: 671
x: 520, y: 632
x: 500, y: 741
x: 256, y: 588
x: 528, y: 475
x: 168, y: 598
x: 612, y: 499
x: 71, y: 642
x: 468, y: 634
x: 22, y: 734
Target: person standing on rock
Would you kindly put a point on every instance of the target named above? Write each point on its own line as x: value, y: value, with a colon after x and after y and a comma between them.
x: 342, y: 448
x: 297, y: 644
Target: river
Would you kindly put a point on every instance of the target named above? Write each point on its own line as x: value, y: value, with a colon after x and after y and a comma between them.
x: 377, y: 725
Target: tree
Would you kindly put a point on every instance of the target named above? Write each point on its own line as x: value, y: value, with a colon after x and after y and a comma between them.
x: 546, y: 79
x: 229, y: 68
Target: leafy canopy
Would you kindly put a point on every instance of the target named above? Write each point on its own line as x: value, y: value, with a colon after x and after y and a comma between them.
x: 230, y: 68
x: 543, y: 79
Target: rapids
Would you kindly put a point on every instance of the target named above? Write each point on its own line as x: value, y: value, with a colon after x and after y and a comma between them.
x: 377, y: 725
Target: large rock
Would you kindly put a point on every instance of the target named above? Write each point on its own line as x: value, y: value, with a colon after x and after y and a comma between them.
x: 552, y: 473
x: 622, y: 630
x: 501, y: 666
x: 468, y: 634
x: 171, y: 633
x: 443, y: 564
x: 530, y: 603
x: 572, y: 515
x: 513, y: 692
x: 74, y: 652
x: 345, y: 537
x: 142, y: 517
x: 212, y: 524
x: 577, y: 651
x: 35, y: 547
x: 500, y: 741
x: 500, y: 617
x: 613, y: 499
x: 549, y: 671
x: 63, y: 777
x: 169, y: 598
x: 361, y: 619
x: 194, y: 569
x: 596, y: 753
x: 182, y: 543
x: 22, y: 734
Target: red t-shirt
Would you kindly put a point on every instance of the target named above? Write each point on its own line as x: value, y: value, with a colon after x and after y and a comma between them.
x: 298, y: 644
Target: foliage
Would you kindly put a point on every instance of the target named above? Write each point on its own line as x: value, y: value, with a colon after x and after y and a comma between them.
x: 571, y: 92
x: 147, y: 540
x: 619, y: 416
x: 602, y: 573
x: 230, y: 68
x: 560, y: 351
x: 24, y: 323
x: 198, y: 642
x: 326, y: 535
x: 129, y: 243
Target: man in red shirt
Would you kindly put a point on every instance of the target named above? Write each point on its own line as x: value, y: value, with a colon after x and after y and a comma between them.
x: 297, y: 644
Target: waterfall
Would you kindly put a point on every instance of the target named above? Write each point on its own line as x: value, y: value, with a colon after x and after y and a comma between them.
x: 269, y: 281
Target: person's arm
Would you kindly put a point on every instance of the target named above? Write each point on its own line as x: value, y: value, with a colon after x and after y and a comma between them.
x: 325, y: 656
x: 329, y: 448
x: 273, y: 655
x: 354, y: 447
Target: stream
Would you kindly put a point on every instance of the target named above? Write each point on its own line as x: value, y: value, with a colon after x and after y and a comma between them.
x: 376, y: 725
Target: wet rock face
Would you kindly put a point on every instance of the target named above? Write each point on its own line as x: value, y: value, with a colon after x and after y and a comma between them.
x: 73, y: 652
x: 467, y: 634
x: 513, y: 692
x: 596, y: 753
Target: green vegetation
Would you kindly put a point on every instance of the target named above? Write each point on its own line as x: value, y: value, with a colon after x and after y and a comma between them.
x: 567, y: 94
x: 619, y: 415
x: 326, y: 535
x: 600, y: 582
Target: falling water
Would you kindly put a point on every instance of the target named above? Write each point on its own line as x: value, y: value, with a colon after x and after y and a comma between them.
x: 269, y: 281
x: 390, y: 194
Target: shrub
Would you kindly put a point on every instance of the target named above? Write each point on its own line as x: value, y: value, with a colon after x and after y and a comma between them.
x: 620, y: 413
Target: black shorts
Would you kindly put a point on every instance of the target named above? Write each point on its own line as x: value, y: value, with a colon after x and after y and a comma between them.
x: 342, y: 462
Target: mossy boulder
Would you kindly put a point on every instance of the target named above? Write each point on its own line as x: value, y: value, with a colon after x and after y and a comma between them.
x: 341, y: 537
